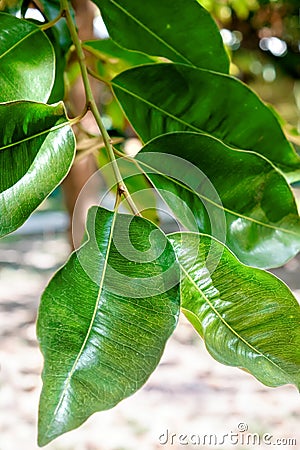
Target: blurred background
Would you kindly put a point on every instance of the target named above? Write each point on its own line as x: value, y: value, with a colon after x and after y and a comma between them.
x: 189, y: 393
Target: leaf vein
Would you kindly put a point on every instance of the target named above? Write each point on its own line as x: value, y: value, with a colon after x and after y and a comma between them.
x: 226, y: 324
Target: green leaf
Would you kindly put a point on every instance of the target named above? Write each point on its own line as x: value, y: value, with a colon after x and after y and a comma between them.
x: 247, y: 317
x: 26, y: 59
x: 60, y: 38
x: 162, y: 98
x: 182, y: 31
x: 36, y: 150
x: 104, y: 319
x: 114, y: 59
x: 237, y: 196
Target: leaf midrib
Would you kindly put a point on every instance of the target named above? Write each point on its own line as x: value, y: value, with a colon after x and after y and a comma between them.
x: 234, y: 213
x: 177, y: 119
x: 34, y: 136
x: 148, y: 30
x: 19, y: 42
x: 226, y: 324
x: 71, y: 372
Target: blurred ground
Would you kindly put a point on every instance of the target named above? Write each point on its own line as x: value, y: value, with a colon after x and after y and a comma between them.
x: 189, y: 393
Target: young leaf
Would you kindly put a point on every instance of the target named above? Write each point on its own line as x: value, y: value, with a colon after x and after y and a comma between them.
x: 182, y: 30
x: 247, y: 317
x: 36, y: 151
x: 104, y: 319
x: 26, y: 59
x: 162, y: 98
x: 249, y: 203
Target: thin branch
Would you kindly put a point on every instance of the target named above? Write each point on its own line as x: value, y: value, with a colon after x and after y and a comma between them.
x: 123, y: 155
x: 132, y: 160
x: 86, y: 148
x: 45, y: 26
x: 93, y: 52
x: 78, y: 119
x: 97, y: 76
x: 91, y: 103
x: 131, y: 203
x: 81, y: 154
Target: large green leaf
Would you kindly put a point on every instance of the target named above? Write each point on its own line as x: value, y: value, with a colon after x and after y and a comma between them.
x: 247, y: 317
x: 104, y: 319
x: 114, y: 59
x: 26, y: 59
x: 36, y: 150
x: 181, y: 30
x: 162, y: 98
x: 60, y: 38
x: 262, y: 225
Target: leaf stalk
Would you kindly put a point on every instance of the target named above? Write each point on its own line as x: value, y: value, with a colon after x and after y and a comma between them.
x: 45, y: 26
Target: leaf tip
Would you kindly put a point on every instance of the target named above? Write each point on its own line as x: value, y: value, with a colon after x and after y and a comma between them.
x: 43, y: 439
x: 48, y: 429
x: 47, y: 434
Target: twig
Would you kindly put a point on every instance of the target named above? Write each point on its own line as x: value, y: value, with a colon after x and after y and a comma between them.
x: 91, y: 105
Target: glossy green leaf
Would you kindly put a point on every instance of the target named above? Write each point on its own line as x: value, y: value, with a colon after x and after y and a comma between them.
x: 182, y: 31
x: 25, y: 74
x: 104, y: 319
x: 60, y: 38
x: 114, y: 59
x: 237, y: 196
x: 163, y: 98
x: 36, y: 150
x: 248, y: 318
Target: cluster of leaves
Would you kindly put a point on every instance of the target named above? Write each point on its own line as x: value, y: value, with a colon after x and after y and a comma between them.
x: 217, y: 156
